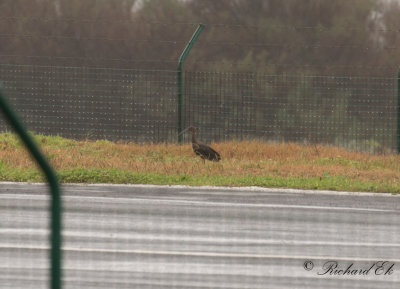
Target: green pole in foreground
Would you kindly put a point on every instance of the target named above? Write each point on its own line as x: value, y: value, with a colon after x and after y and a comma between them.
x: 398, y: 111
x: 180, y: 78
x: 55, y: 219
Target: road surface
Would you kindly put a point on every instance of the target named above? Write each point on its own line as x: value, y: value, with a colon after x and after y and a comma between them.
x: 126, y: 236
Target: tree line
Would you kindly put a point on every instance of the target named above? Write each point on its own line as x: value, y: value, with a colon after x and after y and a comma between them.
x: 273, y: 36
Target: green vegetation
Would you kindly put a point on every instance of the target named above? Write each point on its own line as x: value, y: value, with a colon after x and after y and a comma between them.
x: 243, y: 164
x: 297, y: 36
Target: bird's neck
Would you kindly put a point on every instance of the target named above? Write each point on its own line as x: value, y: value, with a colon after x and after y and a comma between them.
x: 193, y: 138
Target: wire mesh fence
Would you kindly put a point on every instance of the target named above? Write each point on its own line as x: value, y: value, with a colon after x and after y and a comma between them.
x: 100, y: 103
x: 358, y: 113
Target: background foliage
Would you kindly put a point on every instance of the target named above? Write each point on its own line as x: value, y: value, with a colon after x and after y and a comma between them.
x: 296, y: 36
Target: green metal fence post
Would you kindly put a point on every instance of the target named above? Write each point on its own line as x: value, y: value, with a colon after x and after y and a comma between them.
x: 55, y: 219
x: 398, y: 111
x: 180, y: 78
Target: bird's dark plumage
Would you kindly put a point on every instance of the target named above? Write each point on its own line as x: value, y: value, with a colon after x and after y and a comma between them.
x: 203, y: 150
x: 206, y: 152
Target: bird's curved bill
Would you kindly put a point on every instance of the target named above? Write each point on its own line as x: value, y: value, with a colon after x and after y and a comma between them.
x: 183, y: 131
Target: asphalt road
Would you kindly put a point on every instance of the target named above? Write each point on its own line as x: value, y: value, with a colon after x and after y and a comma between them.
x: 180, y: 237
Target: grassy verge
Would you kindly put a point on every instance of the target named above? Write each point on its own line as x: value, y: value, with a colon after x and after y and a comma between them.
x: 243, y: 164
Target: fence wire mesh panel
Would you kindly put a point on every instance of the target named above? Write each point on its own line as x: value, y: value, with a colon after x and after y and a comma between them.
x: 99, y: 103
x: 358, y: 113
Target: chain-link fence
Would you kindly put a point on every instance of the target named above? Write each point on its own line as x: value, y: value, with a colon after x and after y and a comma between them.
x: 359, y: 113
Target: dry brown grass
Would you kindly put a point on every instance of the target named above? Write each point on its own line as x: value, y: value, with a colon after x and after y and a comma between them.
x: 244, y: 158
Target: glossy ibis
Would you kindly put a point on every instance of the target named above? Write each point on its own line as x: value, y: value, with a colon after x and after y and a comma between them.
x: 202, y: 150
